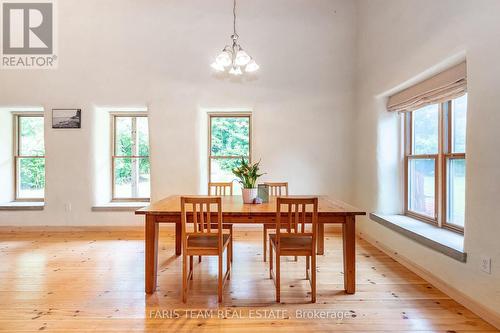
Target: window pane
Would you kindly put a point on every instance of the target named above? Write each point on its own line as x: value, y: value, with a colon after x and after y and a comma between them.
x: 31, y: 178
x: 143, y: 136
x: 421, y: 186
x: 459, y: 119
x: 31, y: 136
x: 123, y: 136
x: 456, y: 191
x: 144, y: 188
x: 221, y: 171
x: 230, y: 136
x: 132, y: 178
x: 425, y: 130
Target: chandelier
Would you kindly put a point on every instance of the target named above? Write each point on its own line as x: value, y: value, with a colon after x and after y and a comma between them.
x: 233, y: 59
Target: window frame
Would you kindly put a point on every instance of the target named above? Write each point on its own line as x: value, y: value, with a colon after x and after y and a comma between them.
x: 444, y: 154
x: 212, y: 115
x: 134, y: 116
x: 17, y: 155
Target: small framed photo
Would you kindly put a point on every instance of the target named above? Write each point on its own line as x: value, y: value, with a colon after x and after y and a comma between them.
x: 66, y: 118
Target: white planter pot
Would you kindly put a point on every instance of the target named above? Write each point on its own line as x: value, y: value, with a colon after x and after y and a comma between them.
x: 249, y: 194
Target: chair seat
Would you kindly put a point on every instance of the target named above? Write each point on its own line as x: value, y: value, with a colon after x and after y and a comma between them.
x: 206, y: 241
x: 293, y: 242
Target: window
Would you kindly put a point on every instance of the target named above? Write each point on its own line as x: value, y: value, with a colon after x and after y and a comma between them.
x: 229, y: 142
x: 435, y: 163
x: 29, y: 157
x: 130, y: 158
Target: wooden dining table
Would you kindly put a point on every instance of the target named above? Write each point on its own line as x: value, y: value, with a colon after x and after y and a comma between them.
x: 234, y: 211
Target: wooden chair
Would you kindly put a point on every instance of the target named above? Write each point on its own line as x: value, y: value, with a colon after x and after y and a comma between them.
x: 298, y: 242
x: 275, y: 189
x: 204, y: 239
x: 221, y: 189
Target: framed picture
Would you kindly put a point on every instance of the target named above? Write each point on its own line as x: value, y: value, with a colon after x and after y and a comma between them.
x: 66, y: 118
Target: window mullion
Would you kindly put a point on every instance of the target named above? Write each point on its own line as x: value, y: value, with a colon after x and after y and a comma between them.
x: 17, y: 143
x: 439, y: 171
x: 410, y: 128
x: 135, y: 169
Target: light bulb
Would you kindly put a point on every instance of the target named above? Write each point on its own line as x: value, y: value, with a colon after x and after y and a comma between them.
x: 251, y: 66
x: 242, y: 58
x: 235, y: 71
x: 218, y: 67
x: 224, y: 58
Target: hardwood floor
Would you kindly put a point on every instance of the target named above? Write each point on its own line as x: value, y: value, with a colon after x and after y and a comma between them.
x: 82, y: 280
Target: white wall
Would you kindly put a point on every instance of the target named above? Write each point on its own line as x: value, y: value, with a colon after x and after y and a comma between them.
x: 126, y: 53
x: 397, y: 41
x: 157, y: 54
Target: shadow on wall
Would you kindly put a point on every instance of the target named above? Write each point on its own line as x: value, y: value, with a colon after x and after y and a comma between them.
x: 389, y: 159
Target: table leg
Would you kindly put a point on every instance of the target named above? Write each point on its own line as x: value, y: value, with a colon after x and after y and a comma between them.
x: 178, y: 239
x: 321, y: 239
x: 349, y: 239
x: 151, y: 253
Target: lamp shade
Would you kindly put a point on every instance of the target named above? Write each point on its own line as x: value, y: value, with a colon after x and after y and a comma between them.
x: 242, y: 58
x: 224, y: 58
x: 251, y: 66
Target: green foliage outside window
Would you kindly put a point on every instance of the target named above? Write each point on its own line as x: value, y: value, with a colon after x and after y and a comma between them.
x: 31, y: 143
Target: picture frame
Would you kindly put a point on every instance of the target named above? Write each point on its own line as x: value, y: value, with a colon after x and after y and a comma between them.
x: 66, y: 118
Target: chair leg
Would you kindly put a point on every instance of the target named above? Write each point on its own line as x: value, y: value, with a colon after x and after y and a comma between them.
x: 270, y: 260
x: 296, y: 259
x: 278, y: 277
x: 220, y: 276
x: 191, y: 266
x: 265, y: 242
x: 229, y: 258
x: 184, y: 277
x: 231, y: 242
x: 307, y: 267
x: 199, y: 229
x: 313, y: 278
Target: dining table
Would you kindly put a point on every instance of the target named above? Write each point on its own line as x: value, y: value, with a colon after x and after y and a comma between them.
x: 234, y: 212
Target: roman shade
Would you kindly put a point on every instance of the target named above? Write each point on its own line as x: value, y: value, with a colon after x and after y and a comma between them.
x: 440, y: 88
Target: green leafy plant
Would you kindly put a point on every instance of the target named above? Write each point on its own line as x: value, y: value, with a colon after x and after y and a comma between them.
x: 247, y: 173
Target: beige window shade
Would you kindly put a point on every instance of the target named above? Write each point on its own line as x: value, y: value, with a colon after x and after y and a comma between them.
x: 440, y: 88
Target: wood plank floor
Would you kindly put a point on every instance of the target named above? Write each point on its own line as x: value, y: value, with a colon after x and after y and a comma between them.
x: 93, y: 281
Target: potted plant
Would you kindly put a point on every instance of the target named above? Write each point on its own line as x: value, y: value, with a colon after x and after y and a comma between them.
x: 247, y: 174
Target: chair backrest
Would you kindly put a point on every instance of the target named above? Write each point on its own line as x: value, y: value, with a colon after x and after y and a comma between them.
x: 298, y: 212
x: 200, y: 212
x: 220, y: 188
x: 277, y: 189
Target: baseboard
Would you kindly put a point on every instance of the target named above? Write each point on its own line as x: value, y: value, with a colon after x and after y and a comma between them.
x: 471, y: 304
x: 333, y: 228
x: 66, y: 228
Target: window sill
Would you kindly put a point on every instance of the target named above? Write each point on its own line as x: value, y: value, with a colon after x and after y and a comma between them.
x: 120, y: 206
x: 441, y: 240
x: 23, y: 205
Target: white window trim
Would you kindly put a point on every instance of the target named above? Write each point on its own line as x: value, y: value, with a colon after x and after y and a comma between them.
x: 233, y: 113
x: 15, y: 125
x: 134, y: 115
